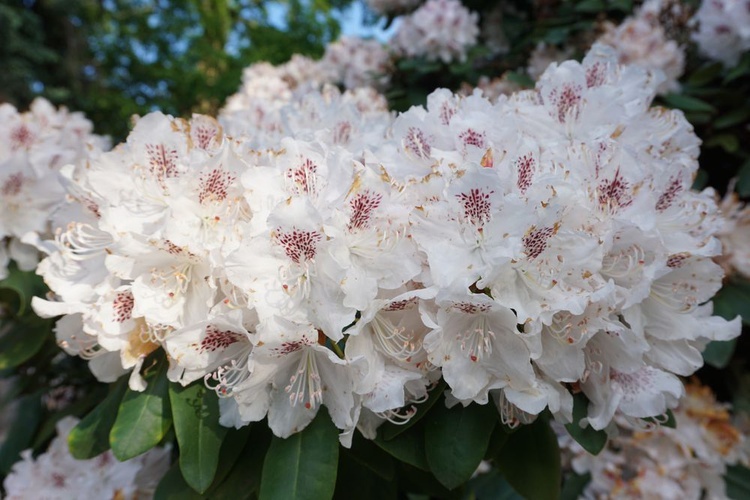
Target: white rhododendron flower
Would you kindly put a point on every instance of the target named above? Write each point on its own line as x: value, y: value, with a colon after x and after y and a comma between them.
x: 687, y: 461
x: 439, y: 29
x: 34, y: 146
x: 316, y: 250
x: 355, y: 62
x: 56, y: 474
x: 723, y: 32
x: 641, y: 40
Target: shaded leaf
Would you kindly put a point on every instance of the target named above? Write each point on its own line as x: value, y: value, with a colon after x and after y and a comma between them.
x: 143, y: 418
x: 19, y: 287
x: 530, y: 461
x: 21, y: 431
x: 302, y: 466
x: 590, y: 439
x: 408, y: 447
x: 574, y: 486
x: 491, y: 486
x: 687, y: 103
x: 21, y: 338
x: 195, y: 413
x: 456, y: 440
x: 738, y: 481
x: 91, y: 436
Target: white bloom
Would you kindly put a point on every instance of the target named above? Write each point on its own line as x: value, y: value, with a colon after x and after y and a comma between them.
x: 723, y: 30
x: 439, y: 29
x: 55, y: 474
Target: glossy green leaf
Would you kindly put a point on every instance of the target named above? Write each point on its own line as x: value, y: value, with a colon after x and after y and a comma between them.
x: 21, y: 431
x: 143, y: 418
x: 19, y: 287
x: 243, y: 479
x: 174, y: 487
x: 687, y: 103
x: 195, y: 413
x: 719, y: 353
x: 738, y: 481
x: 574, y: 486
x: 21, y: 338
x: 456, y: 440
x: 91, y: 436
x: 80, y: 406
x: 530, y: 461
x: 370, y: 456
x: 302, y: 466
x: 408, y: 447
x: 732, y: 300
x: 590, y: 439
x: 389, y: 430
x: 491, y: 486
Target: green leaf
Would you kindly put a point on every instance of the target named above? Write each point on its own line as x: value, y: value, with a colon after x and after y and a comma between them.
x: 407, y: 447
x: 743, y: 181
x: 368, y: 455
x: 728, y: 142
x: 742, y: 69
x: 353, y: 476
x: 195, y: 412
x: 48, y: 429
x: 530, y: 460
x: 733, y: 299
x: 21, y: 431
x: 21, y: 338
x: 687, y: 103
x: 243, y: 479
x: 590, y: 439
x: 704, y: 74
x: 302, y: 466
x: 19, y: 287
x: 738, y: 481
x: 456, y: 440
x: 389, y: 430
x: 734, y: 117
x: 491, y: 486
x: 574, y: 486
x: 590, y: 6
x: 143, y: 418
x: 91, y: 436
x: 174, y: 487
x: 719, y: 353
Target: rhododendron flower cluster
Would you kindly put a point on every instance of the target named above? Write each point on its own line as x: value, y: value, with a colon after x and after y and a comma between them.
x: 355, y: 62
x: 641, y: 40
x: 687, y: 461
x: 33, y: 147
x: 723, y: 32
x: 349, y: 259
x: 56, y: 474
x: 439, y: 29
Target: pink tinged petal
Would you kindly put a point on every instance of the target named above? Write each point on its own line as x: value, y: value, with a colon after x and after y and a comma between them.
x: 646, y: 393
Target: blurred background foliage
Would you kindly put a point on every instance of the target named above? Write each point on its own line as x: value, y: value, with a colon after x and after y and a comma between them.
x: 114, y: 58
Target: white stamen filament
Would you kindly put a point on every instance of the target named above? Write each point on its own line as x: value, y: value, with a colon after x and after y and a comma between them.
x: 304, y: 385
